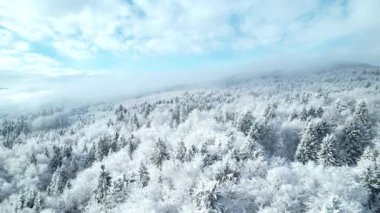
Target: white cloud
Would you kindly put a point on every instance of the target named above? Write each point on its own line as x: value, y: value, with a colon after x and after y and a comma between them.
x: 79, y: 28
x: 75, y: 48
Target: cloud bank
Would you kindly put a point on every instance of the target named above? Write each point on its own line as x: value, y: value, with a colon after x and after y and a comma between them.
x: 49, y: 41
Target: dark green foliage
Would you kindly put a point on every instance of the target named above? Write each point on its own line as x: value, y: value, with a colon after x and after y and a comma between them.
x: 227, y: 174
x: 371, y: 179
x: 119, y: 190
x: 160, y: 154
x: 143, y: 175
x: 104, y: 186
x: 311, y: 141
x: 191, y: 153
x: 56, y: 159
x: 29, y: 198
x: 58, y: 182
x: 246, y: 123
x: 132, y: 145
x: 181, y: 152
x: 11, y: 130
x: 329, y: 154
x: 90, y: 157
x: 357, y: 134
x: 102, y: 147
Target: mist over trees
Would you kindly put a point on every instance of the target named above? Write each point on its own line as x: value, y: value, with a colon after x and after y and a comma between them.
x: 274, y: 143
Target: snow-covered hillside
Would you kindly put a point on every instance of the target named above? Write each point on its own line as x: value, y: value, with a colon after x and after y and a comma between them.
x: 272, y: 143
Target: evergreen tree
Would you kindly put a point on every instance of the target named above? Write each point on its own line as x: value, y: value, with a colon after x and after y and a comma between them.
x: 57, y: 183
x: 357, y: 134
x: 246, y: 123
x: 230, y: 141
x: 132, y: 144
x: 160, y: 154
x: 102, y: 147
x: 67, y: 151
x: 56, y: 159
x: 135, y: 122
x: 143, y: 175
x: 320, y: 112
x: 176, y: 117
x: 250, y: 150
x: 269, y: 112
x: 104, y: 186
x: 38, y: 201
x: 227, y: 174
x: 204, y: 149
x: 33, y: 159
x: 119, y: 190
x: 181, y: 152
x: 209, y: 159
x: 371, y: 178
x: 206, y: 198
x: 303, y: 114
x: 329, y: 154
x: 336, y: 206
x: 312, y: 112
x: 353, y: 141
x: 293, y: 115
x: 27, y: 199
x: 311, y: 140
x: 191, y: 153
x: 362, y: 116
x: 90, y: 157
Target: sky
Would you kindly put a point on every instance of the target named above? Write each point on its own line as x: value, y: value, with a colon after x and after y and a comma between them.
x: 48, y: 47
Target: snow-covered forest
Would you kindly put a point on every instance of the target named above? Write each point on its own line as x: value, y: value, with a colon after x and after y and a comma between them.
x: 304, y: 142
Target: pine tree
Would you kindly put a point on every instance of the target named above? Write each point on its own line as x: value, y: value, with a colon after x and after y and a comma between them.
x: 312, y: 112
x: 143, y: 175
x: 20, y: 204
x: 119, y: 190
x: 227, y: 174
x: 38, y: 201
x: 230, y: 141
x: 353, y: 141
x: 206, y: 198
x: 246, y: 123
x: 135, y: 122
x: 320, y: 112
x: 90, y: 157
x: 57, y: 183
x: 27, y: 199
x: 293, y: 115
x: 270, y: 111
x: 56, y: 159
x: 67, y: 151
x: 250, y: 150
x: 191, y: 153
x: 176, y: 117
x: 102, y: 147
x: 371, y: 177
x: 329, y: 154
x: 104, y: 186
x: 204, y: 149
x: 311, y: 140
x: 132, y: 144
x: 303, y: 114
x: 336, y: 206
x: 361, y: 114
x: 371, y: 180
x: 160, y: 154
x: 181, y: 152
x: 33, y: 159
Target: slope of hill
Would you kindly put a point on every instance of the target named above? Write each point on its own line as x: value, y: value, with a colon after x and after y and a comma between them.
x: 270, y: 143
